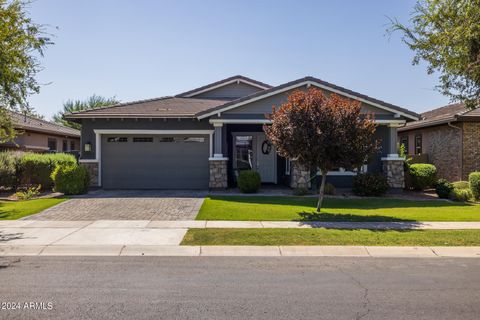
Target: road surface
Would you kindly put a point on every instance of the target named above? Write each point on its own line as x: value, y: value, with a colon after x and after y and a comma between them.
x: 238, y: 288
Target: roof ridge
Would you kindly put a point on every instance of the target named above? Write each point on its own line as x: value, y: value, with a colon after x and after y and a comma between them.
x: 123, y: 104
x: 445, y: 106
x: 42, y: 120
x: 259, y: 83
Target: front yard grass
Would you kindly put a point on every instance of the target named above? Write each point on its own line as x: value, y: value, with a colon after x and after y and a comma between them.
x: 12, y: 210
x: 274, y: 208
x: 326, y: 237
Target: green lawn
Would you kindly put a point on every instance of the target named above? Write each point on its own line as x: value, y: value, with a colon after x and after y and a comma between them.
x: 335, y: 209
x: 11, y: 210
x: 326, y: 237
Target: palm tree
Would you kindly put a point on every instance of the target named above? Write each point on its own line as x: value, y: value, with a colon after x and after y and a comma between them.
x: 94, y: 102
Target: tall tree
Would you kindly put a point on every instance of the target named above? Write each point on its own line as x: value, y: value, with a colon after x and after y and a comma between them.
x: 94, y: 102
x: 21, y: 44
x: 446, y: 34
x: 324, y: 132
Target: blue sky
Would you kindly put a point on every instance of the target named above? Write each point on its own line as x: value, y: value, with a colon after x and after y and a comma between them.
x: 144, y: 49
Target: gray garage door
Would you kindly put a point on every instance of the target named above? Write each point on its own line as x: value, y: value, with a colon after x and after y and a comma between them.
x: 155, y: 161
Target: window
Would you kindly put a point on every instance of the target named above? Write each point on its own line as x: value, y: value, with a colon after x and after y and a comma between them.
x: 182, y: 139
x: 52, y: 144
x: 64, y: 145
x: 143, y: 139
x: 117, y: 139
x: 288, y: 165
x: 404, y: 142
x: 72, y: 145
x: 418, y: 144
x: 243, y: 152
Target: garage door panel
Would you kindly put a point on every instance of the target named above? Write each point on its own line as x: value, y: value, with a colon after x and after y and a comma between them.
x: 155, y: 165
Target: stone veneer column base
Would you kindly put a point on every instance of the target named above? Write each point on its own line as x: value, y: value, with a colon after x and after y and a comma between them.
x: 299, y: 176
x: 92, y: 168
x: 393, y: 169
x: 218, y: 173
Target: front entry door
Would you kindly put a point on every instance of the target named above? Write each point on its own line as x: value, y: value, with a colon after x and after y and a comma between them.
x: 253, y: 151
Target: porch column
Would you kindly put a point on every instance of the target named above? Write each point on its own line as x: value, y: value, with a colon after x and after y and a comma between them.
x: 218, y: 163
x: 393, y: 165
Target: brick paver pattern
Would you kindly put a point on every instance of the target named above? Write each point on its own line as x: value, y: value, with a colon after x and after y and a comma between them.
x: 127, y: 205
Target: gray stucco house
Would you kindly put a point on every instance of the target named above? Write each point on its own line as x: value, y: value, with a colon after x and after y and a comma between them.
x: 203, y: 137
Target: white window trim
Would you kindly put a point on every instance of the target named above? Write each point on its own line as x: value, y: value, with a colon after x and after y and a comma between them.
x: 98, y: 141
x: 288, y: 166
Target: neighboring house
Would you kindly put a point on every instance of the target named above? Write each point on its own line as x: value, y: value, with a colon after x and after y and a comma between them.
x: 203, y: 137
x: 448, y: 137
x: 41, y: 136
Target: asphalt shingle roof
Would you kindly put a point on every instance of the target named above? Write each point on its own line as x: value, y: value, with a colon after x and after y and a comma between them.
x: 23, y: 122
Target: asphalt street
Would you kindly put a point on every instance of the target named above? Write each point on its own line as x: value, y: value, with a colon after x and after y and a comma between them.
x: 238, y: 288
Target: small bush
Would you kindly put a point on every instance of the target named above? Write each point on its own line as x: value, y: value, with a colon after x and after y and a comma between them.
x: 300, y: 191
x: 70, y: 179
x: 8, y: 169
x: 461, y: 185
x: 443, y: 188
x: 249, y: 181
x: 370, y: 184
x: 474, y: 183
x: 423, y: 175
x: 461, y: 194
x: 329, y: 189
x: 29, y: 193
x: 35, y: 168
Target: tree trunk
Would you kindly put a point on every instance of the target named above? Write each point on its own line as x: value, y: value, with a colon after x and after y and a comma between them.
x: 322, y: 189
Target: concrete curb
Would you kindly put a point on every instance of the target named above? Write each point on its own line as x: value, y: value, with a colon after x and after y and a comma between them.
x: 241, y: 251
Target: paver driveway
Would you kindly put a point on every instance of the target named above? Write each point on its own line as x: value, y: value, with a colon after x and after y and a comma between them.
x: 127, y: 205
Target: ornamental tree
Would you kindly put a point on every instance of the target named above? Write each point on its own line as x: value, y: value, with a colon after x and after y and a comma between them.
x: 322, y: 131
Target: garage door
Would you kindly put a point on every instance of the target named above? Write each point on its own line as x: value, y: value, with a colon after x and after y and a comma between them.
x: 155, y: 161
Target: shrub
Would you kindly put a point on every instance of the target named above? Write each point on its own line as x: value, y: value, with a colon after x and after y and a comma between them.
x: 248, y: 181
x: 70, y: 179
x: 329, y: 189
x: 35, y: 168
x: 443, y: 188
x: 474, y: 183
x: 461, y: 185
x: 370, y: 184
x: 461, y: 194
x: 423, y: 175
x: 29, y: 193
x: 300, y: 191
x: 8, y: 169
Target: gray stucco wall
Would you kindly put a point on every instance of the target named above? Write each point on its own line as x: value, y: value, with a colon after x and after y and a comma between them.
x: 88, y: 125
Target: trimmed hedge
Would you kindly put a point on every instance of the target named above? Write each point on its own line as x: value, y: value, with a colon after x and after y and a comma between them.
x: 249, y: 181
x: 474, y: 183
x: 443, y: 188
x: 423, y: 175
x: 370, y: 184
x: 70, y: 179
x: 8, y: 169
x: 461, y: 194
x: 36, y: 168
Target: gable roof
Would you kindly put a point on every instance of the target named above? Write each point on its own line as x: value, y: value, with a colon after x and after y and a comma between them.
x: 449, y: 113
x: 308, y: 81
x: 224, y: 82
x: 23, y: 122
x: 159, y: 107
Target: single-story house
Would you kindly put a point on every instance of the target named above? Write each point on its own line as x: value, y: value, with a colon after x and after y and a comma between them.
x: 38, y: 135
x: 448, y: 137
x: 203, y: 137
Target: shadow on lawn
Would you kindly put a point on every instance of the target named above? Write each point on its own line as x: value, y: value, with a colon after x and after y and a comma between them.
x: 337, y: 217
x: 345, y: 203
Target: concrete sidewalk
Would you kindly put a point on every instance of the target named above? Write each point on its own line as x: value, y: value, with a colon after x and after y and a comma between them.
x: 185, y: 224
x: 240, y: 251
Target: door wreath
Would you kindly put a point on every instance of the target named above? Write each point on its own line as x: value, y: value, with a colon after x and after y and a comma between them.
x: 266, y: 147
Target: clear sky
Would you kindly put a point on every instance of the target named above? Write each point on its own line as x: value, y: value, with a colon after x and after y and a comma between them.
x: 144, y: 49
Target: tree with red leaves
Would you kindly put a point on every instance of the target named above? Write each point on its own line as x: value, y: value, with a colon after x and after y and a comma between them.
x: 322, y: 131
